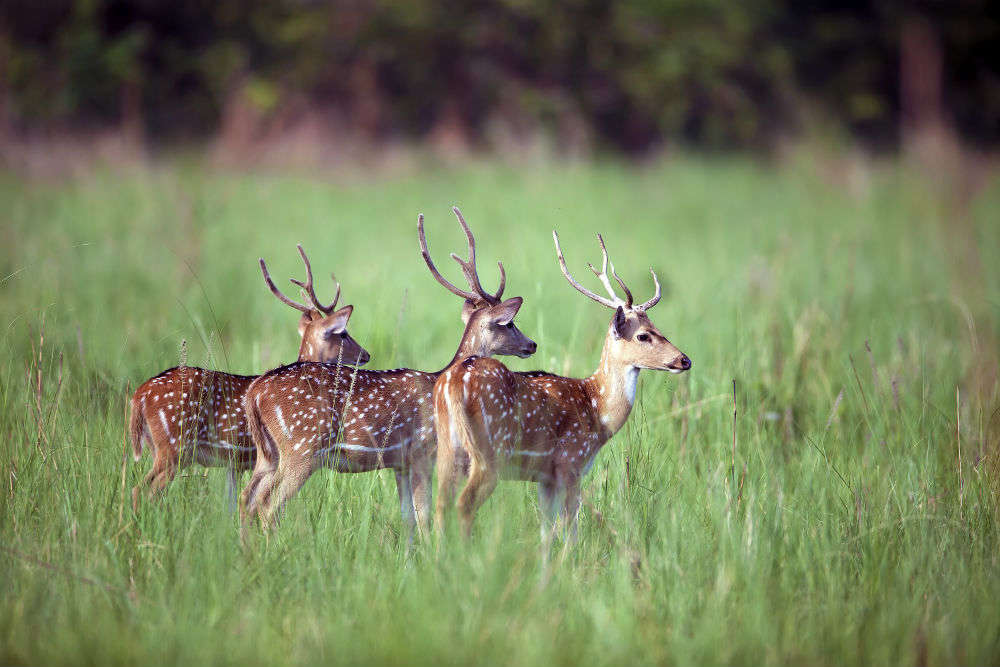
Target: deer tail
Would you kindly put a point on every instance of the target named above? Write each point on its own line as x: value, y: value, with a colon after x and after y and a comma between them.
x: 136, y: 431
x: 267, y: 452
x: 458, y: 417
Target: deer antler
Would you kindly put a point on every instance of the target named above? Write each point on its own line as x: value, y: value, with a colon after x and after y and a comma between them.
x: 603, y: 275
x: 656, y: 297
x: 468, y: 267
x: 614, y: 301
x: 277, y: 292
x: 503, y: 282
x: 308, y: 289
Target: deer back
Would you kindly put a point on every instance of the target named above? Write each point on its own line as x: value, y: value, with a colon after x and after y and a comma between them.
x: 195, y: 405
x: 353, y: 419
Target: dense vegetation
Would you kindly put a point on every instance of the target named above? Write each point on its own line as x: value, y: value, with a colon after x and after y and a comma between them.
x: 859, y: 525
x: 632, y: 74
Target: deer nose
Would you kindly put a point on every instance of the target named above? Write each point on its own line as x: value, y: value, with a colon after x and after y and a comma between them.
x: 681, y: 363
x: 531, y: 347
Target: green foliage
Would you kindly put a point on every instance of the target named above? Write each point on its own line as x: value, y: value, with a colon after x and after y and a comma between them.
x: 842, y: 537
x: 638, y: 72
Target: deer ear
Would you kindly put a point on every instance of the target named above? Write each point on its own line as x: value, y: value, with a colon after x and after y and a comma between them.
x: 304, y: 323
x: 468, y: 308
x: 504, y: 313
x: 619, y: 324
x: 336, y: 323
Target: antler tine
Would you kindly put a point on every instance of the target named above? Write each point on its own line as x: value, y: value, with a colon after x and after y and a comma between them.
x: 312, y: 297
x: 604, y: 263
x: 469, y: 267
x: 580, y: 288
x: 310, y: 294
x: 308, y: 288
x: 277, y: 292
x: 656, y: 297
x: 336, y: 296
x: 309, y: 269
x: 621, y: 283
x: 503, y: 282
x: 433, y: 269
x: 603, y: 275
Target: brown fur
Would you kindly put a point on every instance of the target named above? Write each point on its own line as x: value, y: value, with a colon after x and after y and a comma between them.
x: 188, y: 414
x: 538, y: 426
x: 319, y: 415
x: 136, y: 431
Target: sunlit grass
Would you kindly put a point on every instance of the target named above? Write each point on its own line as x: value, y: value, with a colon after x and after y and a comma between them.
x: 842, y: 536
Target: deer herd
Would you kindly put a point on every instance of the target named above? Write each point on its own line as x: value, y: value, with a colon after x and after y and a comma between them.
x: 475, y: 419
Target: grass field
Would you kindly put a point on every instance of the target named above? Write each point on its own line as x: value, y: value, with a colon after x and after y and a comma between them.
x: 860, y: 525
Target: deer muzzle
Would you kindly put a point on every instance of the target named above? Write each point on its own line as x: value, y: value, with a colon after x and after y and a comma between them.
x: 679, y: 364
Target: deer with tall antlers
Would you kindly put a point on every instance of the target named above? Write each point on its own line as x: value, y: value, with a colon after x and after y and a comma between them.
x: 538, y: 426
x: 187, y: 414
x: 308, y: 416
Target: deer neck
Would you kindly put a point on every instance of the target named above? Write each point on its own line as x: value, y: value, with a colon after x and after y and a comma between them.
x: 613, y: 387
x: 306, y: 351
x: 472, y: 344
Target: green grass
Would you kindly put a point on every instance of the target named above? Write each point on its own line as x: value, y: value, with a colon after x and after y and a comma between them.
x: 849, y: 540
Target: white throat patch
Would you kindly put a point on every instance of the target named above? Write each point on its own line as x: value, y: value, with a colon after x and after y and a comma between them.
x: 631, y: 378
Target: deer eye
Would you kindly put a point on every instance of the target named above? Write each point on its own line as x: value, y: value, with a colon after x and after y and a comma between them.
x: 509, y: 325
x: 643, y: 338
x: 343, y: 334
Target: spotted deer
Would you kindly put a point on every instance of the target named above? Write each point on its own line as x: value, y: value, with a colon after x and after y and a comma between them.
x: 308, y: 416
x: 188, y: 414
x: 538, y: 426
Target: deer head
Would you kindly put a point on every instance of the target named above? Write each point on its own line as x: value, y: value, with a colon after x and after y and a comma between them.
x: 323, y: 328
x: 489, y: 321
x: 633, y: 340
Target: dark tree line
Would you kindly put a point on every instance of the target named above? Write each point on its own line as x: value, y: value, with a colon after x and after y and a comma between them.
x: 633, y: 73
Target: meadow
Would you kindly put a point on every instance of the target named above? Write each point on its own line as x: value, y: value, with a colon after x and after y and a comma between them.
x: 847, y: 514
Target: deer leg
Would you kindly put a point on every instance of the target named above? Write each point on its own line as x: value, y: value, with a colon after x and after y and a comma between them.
x: 447, y: 486
x: 136, y: 490
x: 164, y: 475
x: 571, y: 510
x: 166, y: 463
x: 483, y: 478
x: 547, y: 503
x: 160, y: 461
x: 406, y: 502
x: 420, y: 484
x: 261, y: 480
x: 288, y: 480
x: 447, y: 472
x: 264, y: 495
x: 248, y: 500
x: 164, y: 467
x: 232, y: 475
x: 259, y: 487
x: 151, y: 446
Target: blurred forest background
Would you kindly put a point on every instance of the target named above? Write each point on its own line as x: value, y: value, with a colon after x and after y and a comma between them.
x: 813, y: 182
x: 326, y: 81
